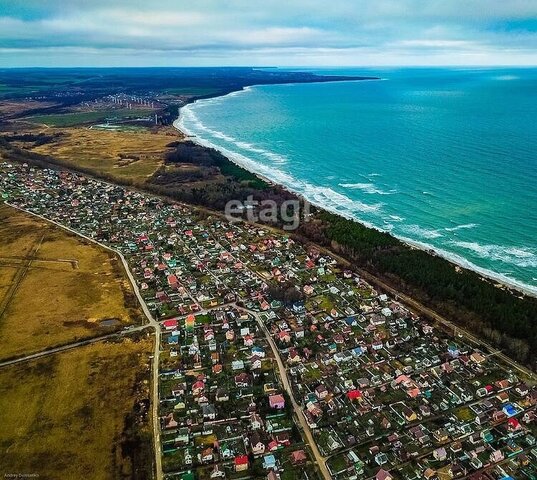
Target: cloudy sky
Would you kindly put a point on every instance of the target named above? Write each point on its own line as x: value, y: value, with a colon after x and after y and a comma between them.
x: 267, y: 32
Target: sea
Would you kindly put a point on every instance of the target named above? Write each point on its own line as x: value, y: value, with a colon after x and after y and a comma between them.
x: 443, y: 158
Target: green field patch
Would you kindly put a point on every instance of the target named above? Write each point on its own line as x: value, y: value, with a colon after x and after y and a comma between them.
x: 78, y: 118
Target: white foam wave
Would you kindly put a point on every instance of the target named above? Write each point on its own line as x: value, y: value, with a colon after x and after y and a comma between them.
x: 506, y: 77
x: 331, y: 200
x: 328, y: 196
x: 464, y: 262
x: 323, y: 197
x: 461, y: 227
x: 188, y: 115
x: 519, y: 256
x: 421, y: 231
x: 367, y: 188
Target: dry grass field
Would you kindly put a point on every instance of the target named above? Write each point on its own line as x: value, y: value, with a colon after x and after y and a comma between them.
x: 56, y: 288
x: 78, y: 414
x: 133, y: 155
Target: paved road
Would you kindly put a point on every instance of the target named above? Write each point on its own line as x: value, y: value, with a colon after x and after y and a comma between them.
x: 152, y: 323
x: 320, y: 460
x: 410, y: 302
x: 70, y: 346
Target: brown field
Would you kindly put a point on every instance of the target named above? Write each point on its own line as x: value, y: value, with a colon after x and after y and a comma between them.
x: 12, y: 107
x: 74, y: 415
x: 133, y: 155
x: 60, y: 296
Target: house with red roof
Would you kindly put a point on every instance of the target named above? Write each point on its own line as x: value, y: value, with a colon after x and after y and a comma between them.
x: 354, y: 395
x: 241, y: 463
x: 173, y: 282
x: 277, y: 401
x: 170, y: 324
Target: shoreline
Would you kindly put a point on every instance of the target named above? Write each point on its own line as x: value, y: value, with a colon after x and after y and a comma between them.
x: 499, y: 280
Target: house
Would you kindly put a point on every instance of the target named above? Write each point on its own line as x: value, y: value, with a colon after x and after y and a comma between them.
x: 283, y: 438
x: 242, y: 380
x: 237, y: 365
x: 477, y: 358
x: 258, y: 351
x: 410, y: 415
x: 321, y: 392
x: 277, y: 401
x: 509, y: 409
x: 513, y: 425
x: 293, y: 357
x: 207, y: 455
x: 255, y: 362
x: 256, y: 445
x: 217, y: 472
x: 269, y: 462
x: 241, y: 463
x: 381, y: 458
x: 230, y: 335
x: 354, y: 395
x: 284, y: 337
x: 429, y: 474
x: 209, y: 412
x: 256, y: 422
x: 222, y: 395
x: 496, y: 456
x: 173, y: 282
x: 383, y: 475
x: 197, y: 388
x: 169, y: 421
x: 522, y: 389
x: 272, y: 475
x: 298, y: 457
x: 170, y: 324
x: 188, y: 457
x: 332, y: 443
x: 182, y: 437
x: 208, y: 334
x: 225, y: 452
x: 440, y: 454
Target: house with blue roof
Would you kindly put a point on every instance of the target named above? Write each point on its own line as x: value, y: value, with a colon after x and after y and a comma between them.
x: 509, y: 409
x: 269, y: 462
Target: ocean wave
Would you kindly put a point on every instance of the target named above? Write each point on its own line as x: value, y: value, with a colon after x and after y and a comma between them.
x: 328, y: 196
x: 461, y: 227
x: 502, y: 277
x: 523, y: 257
x: 334, y: 201
x: 421, y: 231
x: 189, y: 115
x: 367, y: 188
x: 506, y: 77
x: 323, y: 197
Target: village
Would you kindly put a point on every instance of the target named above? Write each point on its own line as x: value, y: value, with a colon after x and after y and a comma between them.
x: 276, y: 362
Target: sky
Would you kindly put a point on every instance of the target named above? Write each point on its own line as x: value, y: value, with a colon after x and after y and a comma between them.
x: 48, y: 33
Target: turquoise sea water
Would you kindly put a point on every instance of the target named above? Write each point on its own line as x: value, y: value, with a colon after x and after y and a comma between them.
x: 443, y: 158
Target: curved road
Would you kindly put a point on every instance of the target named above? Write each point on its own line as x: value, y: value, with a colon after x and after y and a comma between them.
x: 152, y: 323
